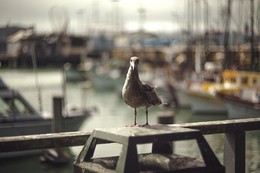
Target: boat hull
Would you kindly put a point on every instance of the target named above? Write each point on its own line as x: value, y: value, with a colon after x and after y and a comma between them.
x: 41, y: 126
x: 203, y: 103
x: 182, y: 97
x: 236, y: 110
x: 104, y: 82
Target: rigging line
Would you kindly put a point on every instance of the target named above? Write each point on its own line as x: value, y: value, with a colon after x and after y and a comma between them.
x: 34, y: 62
x: 64, y: 89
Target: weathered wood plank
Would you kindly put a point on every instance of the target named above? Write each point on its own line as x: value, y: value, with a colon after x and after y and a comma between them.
x: 224, y: 126
x: 234, y: 152
x: 43, y: 141
x: 68, y: 139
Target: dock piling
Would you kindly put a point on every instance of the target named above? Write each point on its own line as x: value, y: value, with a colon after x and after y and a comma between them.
x: 57, y: 114
x: 234, y: 154
x: 166, y: 117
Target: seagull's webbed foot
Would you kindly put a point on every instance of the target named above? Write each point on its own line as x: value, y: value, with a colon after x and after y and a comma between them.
x: 146, y: 124
x: 134, y: 125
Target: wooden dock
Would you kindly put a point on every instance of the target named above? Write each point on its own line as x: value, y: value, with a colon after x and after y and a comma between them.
x: 234, y: 130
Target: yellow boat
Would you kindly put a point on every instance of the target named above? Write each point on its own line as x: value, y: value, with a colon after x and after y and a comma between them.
x: 203, y: 92
x: 244, y: 101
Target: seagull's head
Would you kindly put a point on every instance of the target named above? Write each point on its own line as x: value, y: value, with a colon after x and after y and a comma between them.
x: 134, y: 61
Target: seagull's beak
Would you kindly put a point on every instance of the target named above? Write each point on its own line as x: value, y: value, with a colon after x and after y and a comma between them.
x: 133, y: 65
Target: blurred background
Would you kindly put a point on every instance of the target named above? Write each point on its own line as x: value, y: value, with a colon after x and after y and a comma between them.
x: 80, y: 50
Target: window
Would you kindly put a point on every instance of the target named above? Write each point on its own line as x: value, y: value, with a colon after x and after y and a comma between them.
x: 244, y: 80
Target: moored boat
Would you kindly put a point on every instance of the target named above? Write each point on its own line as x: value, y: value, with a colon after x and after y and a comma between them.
x: 19, y: 118
x: 202, y: 94
x: 244, y: 102
x: 110, y: 80
x: 240, y: 107
x: 206, y: 103
x: 183, y: 98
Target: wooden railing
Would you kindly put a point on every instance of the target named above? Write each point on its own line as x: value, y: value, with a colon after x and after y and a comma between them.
x: 234, y: 130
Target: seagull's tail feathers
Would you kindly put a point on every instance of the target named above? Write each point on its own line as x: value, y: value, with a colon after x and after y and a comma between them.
x: 154, y: 99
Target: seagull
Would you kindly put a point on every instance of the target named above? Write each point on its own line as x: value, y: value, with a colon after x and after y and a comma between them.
x: 136, y: 93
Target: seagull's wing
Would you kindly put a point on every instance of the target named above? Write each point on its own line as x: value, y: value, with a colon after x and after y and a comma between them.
x: 147, y: 87
x: 151, y: 95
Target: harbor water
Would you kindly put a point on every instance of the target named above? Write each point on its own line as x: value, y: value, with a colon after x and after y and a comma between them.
x: 108, y: 111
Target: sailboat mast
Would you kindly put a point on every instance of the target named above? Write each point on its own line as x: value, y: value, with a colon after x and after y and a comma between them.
x: 253, y: 67
x: 227, y: 60
x: 206, y: 29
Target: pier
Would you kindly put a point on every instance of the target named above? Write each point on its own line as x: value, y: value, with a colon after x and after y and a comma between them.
x: 234, y: 130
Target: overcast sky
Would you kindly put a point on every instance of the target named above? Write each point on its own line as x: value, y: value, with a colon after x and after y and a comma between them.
x: 160, y: 15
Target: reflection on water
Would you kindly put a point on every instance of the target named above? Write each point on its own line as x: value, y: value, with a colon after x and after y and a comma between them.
x: 109, y: 111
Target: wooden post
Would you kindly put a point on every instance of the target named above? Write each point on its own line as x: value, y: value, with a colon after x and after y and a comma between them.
x: 57, y: 114
x: 234, y: 152
x: 128, y: 161
x: 166, y: 117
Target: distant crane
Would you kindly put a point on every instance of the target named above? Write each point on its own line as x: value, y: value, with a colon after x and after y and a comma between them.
x: 59, y: 19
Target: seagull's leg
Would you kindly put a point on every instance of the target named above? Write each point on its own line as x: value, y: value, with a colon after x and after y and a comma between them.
x: 135, y: 117
x: 146, y: 114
